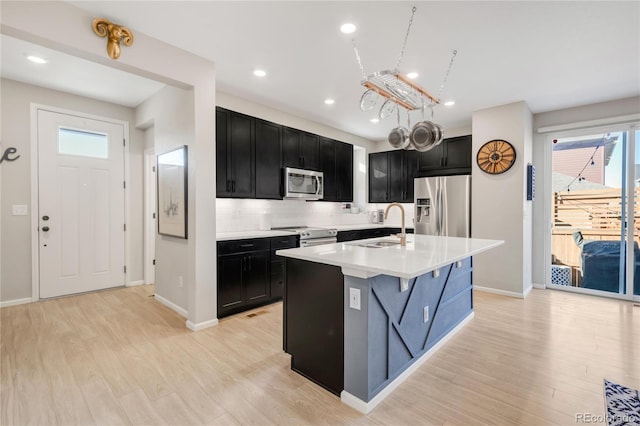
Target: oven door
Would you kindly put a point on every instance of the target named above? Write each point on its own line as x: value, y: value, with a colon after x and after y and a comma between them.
x: 318, y: 241
x: 303, y: 184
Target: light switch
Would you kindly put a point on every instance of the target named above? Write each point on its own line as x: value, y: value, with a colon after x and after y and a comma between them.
x: 354, y: 298
x: 20, y: 210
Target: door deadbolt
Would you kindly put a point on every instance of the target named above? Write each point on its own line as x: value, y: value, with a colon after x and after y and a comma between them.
x: 45, y: 217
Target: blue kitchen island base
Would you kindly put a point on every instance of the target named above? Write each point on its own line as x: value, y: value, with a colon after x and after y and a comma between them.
x: 398, y: 326
x: 360, y: 317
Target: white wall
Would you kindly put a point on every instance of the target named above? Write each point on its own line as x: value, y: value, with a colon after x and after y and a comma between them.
x: 542, y: 161
x: 499, y: 207
x: 151, y: 58
x: 16, y: 99
x: 171, y: 112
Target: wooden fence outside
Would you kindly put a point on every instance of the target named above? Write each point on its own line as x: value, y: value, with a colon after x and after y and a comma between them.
x: 595, y: 213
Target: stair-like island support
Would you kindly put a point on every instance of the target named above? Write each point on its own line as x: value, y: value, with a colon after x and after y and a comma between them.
x: 361, y: 316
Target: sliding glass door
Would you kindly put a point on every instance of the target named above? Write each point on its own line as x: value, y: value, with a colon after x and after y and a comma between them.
x: 595, y: 232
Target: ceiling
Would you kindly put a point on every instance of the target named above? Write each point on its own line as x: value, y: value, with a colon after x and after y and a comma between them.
x: 552, y: 55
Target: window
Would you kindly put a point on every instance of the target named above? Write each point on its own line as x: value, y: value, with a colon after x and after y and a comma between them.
x: 83, y: 143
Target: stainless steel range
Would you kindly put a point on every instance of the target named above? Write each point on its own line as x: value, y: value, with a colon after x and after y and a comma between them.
x: 312, y: 236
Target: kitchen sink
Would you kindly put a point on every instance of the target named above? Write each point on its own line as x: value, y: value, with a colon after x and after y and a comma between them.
x: 379, y: 244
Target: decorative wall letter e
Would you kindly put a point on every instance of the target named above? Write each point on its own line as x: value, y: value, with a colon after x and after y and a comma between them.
x: 114, y: 33
x: 8, y: 153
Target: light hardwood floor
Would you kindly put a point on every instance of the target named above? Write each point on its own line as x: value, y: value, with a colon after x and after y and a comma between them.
x: 120, y: 357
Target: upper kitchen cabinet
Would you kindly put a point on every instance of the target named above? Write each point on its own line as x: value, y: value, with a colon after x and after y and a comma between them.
x: 300, y: 149
x: 452, y: 157
x: 235, y: 154
x: 336, y: 162
x: 269, y: 159
x: 378, y: 177
x: 391, y: 175
x: 403, y: 166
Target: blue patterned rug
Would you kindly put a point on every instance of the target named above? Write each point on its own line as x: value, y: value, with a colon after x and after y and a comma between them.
x: 623, y: 404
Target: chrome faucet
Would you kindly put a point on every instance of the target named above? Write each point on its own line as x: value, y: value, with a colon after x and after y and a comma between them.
x: 403, y: 235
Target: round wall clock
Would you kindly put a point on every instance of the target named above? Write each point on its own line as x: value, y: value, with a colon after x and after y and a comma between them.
x: 496, y: 156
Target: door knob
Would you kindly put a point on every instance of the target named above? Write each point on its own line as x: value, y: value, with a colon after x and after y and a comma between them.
x: 45, y: 217
x: 45, y: 228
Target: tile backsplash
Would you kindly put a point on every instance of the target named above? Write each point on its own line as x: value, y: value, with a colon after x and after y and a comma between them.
x: 249, y: 215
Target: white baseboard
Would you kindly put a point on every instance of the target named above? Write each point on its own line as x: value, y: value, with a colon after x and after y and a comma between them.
x: 366, y: 407
x: 540, y: 286
x: 171, y: 305
x: 134, y: 283
x: 527, y: 291
x: 202, y: 325
x: 14, y: 302
x: 500, y: 292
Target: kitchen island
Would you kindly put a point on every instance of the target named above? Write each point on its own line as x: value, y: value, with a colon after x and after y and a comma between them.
x: 361, y: 316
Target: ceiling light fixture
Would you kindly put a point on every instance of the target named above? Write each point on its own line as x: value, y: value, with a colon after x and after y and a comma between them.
x: 36, y: 59
x: 413, y: 75
x: 329, y: 101
x: 259, y: 73
x: 450, y: 103
x: 374, y: 120
x: 348, y: 28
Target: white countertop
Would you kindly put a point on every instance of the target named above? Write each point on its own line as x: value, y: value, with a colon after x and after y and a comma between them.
x: 243, y: 235
x: 422, y: 254
x: 364, y: 226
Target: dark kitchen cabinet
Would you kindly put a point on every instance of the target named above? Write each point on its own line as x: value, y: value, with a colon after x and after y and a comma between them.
x: 300, y: 149
x: 363, y: 234
x: 250, y: 273
x: 378, y: 177
x: 403, y: 166
x: 391, y: 175
x: 278, y: 270
x: 243, y: 275
x: 269, y: 160
x: 336, y: 163
x: 235, y: 154
x: 453, y: 156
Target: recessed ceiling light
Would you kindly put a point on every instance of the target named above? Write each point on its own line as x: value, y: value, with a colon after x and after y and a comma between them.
x: 36, y: 59
x: 348, y: 28
x: 449, y: 103
x: 329, y: 101
x: 412, y: 75
x: 374, y: 120
x: 259, y: 73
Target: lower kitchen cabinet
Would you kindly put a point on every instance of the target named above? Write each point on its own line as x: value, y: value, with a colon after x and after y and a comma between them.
x: 363, y: 234
x: 250, y: 274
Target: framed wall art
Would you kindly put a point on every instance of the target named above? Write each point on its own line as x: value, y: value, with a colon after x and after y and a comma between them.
x: 172, y: 193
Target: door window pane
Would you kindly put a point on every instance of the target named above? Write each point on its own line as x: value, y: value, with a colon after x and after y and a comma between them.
x: 83, y: 143
x: 588, y: 235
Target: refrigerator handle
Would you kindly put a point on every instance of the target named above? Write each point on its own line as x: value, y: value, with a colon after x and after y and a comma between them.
x: 445, y: 209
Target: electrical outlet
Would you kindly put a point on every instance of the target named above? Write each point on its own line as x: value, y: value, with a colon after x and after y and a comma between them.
x: 425, y: 314
x: 180, y: 282
x: 354, y: 298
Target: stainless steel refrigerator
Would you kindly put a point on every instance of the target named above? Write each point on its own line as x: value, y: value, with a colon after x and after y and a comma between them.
x: 443, y: 206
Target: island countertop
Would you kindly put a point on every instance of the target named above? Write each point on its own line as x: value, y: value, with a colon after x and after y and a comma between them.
x: 422, y: 254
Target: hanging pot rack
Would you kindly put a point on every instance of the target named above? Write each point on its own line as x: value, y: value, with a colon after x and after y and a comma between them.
x: 395, y: 86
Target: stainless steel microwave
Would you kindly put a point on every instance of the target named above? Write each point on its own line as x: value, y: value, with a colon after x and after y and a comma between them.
x: 300, y: 184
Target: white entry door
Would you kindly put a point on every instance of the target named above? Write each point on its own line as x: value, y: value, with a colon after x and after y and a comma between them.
x: 81, y: 204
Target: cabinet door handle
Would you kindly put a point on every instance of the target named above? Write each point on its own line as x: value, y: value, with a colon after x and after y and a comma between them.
x: 243, y: 264
x: 249, y: 259
x: 246, y: 245
x: 233, y: 186
x: 228, y: 185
